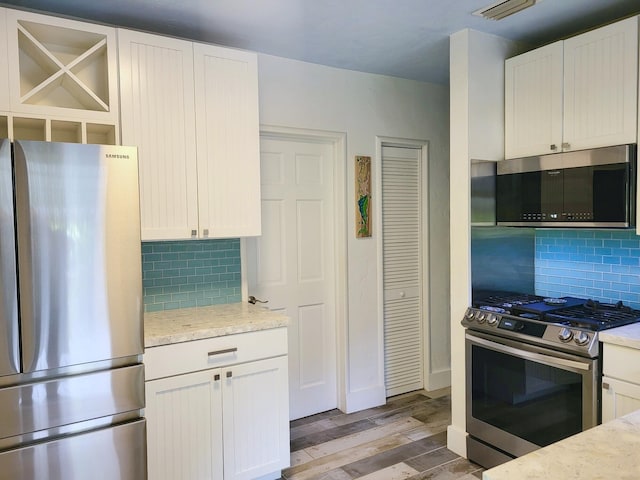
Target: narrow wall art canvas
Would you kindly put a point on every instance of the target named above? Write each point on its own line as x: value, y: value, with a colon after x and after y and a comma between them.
x: 363, y: 196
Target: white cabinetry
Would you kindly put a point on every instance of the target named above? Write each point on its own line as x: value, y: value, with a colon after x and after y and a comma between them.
x: 620, y: 381
x: 533, y: 102
x: 62, y: 79
x: 218, y: 408
x: 193, y: 112
x: 4, y: 61
x: 592, y: 78
x: 228, y: 141
x: 157, y: 95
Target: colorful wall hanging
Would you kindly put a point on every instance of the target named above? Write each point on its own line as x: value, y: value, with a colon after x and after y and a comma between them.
x: 363, y: 196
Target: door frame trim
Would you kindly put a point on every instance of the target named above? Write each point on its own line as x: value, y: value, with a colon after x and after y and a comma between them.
x: 423, y: 145
x: 339, y: 142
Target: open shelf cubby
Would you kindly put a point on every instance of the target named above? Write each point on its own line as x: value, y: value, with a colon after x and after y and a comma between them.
x: 4, y: 127
x: 63, y: 67
x: 63, y: 131
x: 29, y: 128
x: 56, y: 130
x: 101, y: 134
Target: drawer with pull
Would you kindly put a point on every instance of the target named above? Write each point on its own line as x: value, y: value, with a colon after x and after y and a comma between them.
x: 178, y: 358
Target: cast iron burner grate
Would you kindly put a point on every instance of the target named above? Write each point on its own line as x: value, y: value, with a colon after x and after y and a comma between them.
x: 507, y: 301
x: 594, y: 315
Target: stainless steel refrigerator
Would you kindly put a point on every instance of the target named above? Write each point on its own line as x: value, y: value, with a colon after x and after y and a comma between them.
x: 71, y: 341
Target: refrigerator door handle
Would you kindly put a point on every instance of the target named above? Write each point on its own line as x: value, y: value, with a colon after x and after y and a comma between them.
x: 9, y: 330
x: 23, y: 235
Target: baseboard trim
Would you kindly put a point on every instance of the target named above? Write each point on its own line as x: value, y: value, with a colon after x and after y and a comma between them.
x: 363, y: 399
x: 438, y: 380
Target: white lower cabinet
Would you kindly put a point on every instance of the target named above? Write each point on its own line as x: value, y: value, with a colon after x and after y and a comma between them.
x: 619, y: 398
x: 230, y: 422
x: 620, y: 381
x: 183, y: 439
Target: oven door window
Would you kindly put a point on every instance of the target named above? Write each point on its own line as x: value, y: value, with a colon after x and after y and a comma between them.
x: 539, y: 403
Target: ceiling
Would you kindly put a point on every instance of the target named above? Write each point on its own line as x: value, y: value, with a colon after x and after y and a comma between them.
x: 402, y: 38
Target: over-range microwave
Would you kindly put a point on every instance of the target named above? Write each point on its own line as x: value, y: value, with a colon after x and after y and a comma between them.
x: 586, y: 188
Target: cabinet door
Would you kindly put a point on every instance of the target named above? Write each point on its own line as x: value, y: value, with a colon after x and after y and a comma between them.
x: 61, y: 67
x: 600, y: 86
x: 156, y: 89
x: 4, y: 74
x: 618, y: 398
x: 184, y: 434
x: 226, y: 85
x: 533, y: 102
x: 256, y: 419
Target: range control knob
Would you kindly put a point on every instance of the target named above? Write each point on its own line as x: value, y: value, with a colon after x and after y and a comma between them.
x: 565, y: 335
x: 492, y: 319
x: 582, y: 338
x: 469, y: 314
x: 481, y: 317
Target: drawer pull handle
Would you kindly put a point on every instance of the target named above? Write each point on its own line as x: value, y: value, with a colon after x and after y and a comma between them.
x: 221, y: 352
x: 229, y: 374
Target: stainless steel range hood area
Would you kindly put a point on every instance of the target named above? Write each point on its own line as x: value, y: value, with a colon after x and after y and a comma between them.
x: 588, y: 188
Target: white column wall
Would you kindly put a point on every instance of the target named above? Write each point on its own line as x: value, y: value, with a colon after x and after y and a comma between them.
x: 477, y: 132
x: 309, y: 96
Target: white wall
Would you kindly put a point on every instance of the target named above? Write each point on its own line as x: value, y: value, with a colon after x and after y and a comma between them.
x: 477, y: 132
x: 309, y: 96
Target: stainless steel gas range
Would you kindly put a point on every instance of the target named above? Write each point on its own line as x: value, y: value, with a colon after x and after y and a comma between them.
x: 533, y: 372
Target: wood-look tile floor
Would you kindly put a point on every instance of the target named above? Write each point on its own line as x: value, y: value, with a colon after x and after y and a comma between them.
x: 404, y: 439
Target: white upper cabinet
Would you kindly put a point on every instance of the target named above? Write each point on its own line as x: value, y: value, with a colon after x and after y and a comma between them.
x: 157, y: 95
x: 600, y: 86
x: 192, y: 110
x: 228, y: 141
x: 533, y: 102
x: 61, y: 68
x: 4, y: 72
x: 575, y: 94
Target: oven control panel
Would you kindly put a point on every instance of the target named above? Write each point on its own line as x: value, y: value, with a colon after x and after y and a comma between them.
x: 532, y: 330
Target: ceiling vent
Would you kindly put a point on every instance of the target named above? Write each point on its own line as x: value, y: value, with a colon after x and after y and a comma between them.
x: 504, y: 8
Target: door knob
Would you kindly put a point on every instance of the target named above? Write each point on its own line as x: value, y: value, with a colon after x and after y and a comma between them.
x: 255, y: 300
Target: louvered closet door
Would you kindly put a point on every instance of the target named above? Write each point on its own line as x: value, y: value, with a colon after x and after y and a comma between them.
x: 402, y: 262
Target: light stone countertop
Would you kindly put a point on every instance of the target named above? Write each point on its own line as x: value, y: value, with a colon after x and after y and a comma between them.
x: 626, y: 336
x: 186, y: 324
x: 608, y: 451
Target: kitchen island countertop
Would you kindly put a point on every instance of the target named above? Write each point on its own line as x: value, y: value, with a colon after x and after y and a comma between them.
x: 626, y: 336
x: 186, y: 324
x: 607, y: 451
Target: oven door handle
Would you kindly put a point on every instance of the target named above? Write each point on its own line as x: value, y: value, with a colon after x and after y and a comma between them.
x: 536, y: 357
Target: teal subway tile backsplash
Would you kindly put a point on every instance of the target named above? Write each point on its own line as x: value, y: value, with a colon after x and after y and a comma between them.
x: 599, y: 264
x: 190, y: 273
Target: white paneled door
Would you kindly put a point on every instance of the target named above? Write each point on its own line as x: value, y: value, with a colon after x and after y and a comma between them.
x: 291, y: 264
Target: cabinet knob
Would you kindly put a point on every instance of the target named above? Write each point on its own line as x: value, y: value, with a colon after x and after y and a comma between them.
x: 229, y: 374
x: 216, y: 377
x: 553, y: 147
x: 205, y: 232
x: 566, y: 145
x: 194, y: 233
x: 605, y: 386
